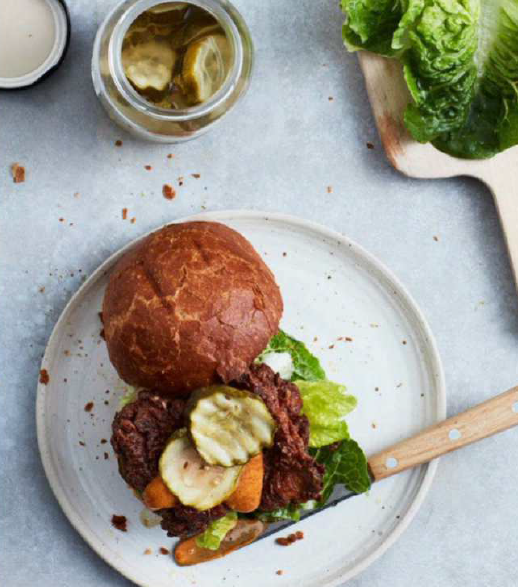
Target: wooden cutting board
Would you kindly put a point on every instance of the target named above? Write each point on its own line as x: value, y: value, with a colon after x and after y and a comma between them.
x: 389, y: 96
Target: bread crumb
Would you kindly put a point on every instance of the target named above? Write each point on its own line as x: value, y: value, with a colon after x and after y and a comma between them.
x: 370, y: 146
x: 120, y: 523
x: 89, y: 407
x: 118, y: 143
x: 329, y: 189
x: 124, y: 213
x: 106, y: 456
x: 18, y: 173
x: 279, y: 572
x: 348, y: 339
x: 373, y: 425
x: 133, y: 220
x: 170, y: 156
x: 44, y: 376
x: 403, y: 341
x: 436, y: 238
x: 168, y: 191
x: 330, y: 98
x: 163, y: 550
x: 196, y: 175
x: 148, y: 167
x: 148, y: 551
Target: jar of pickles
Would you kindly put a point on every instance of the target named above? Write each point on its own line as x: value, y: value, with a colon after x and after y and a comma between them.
x: 167, y: 71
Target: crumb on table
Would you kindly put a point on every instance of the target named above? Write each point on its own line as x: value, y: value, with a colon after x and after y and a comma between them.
x: 168, y: 191
x: 18, y: 173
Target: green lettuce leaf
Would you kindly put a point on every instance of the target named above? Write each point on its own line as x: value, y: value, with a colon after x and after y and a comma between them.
x: 460, y: 60
x: 325, y: 404
x: 371, y: 24
x: 292, y: 512
x: 347, y: 465
x: 305, y: 365
x: 216, y: 531
x: 129, y: 397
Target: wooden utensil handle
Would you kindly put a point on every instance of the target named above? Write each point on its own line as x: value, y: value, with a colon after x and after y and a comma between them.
x: 492, y: 416
x: 504, y: 186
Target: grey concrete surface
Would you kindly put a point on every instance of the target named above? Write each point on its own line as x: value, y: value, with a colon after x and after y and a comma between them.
x: 303, y: 126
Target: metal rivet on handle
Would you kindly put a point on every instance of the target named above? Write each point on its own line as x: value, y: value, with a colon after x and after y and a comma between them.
x: 454, y: 434
x: 391, y: 463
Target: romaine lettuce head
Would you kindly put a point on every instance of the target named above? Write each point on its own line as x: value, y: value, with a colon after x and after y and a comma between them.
x: 460, y: 60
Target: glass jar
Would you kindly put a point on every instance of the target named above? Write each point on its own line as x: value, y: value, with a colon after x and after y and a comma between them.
x: 142, y: 118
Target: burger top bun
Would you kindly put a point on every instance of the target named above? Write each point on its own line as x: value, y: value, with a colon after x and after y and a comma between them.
x: 190, y: 305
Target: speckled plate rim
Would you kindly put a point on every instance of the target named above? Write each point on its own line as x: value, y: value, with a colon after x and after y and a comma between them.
x: 228, y: 216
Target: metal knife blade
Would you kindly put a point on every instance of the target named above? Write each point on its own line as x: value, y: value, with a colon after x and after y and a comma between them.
x: 275, y: 527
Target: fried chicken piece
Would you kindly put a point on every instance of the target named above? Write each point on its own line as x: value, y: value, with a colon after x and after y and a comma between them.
x: 291, y: 475
x: 140, y: 432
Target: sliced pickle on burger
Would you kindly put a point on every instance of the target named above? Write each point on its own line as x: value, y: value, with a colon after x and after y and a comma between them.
x: 194, y: 482
x: 229, y: 426
x: 149, y: 65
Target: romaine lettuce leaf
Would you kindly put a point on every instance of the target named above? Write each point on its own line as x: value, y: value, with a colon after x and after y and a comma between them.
x: 346, y: 466
x: 325, y: 404
x: 129, y: 397
x: 460, y: 60
x: 371, y: 24
x: 292, y: 512
x: 305, y: 365
x: 216, y: 531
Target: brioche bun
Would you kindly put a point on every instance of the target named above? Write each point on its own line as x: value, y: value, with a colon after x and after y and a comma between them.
x: 190, y: 305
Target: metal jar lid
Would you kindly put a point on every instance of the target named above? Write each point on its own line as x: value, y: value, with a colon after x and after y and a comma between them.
x: 56, y: 55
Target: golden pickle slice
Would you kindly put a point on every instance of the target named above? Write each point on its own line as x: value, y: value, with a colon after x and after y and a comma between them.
x: 204, y: 68
x: 149, y: 65
x: 172, y: 11
x: 229, y: 426
x: 191, y: 479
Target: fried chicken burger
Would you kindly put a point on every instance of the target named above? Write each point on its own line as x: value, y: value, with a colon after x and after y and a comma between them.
x: 211, y: 433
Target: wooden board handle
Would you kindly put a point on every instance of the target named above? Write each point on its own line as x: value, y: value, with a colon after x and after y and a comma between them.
x: 493, y: 416
x: 503, y: 183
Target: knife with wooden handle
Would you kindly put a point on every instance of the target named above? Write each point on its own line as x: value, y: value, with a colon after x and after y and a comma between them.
x: 490, y: 417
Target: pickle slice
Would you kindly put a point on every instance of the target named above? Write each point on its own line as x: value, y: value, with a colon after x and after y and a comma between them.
x: 191, y: 479
x: 173, y: 10
x: 204, y: 69
x: 229, y: 426
x: 149, y: 64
